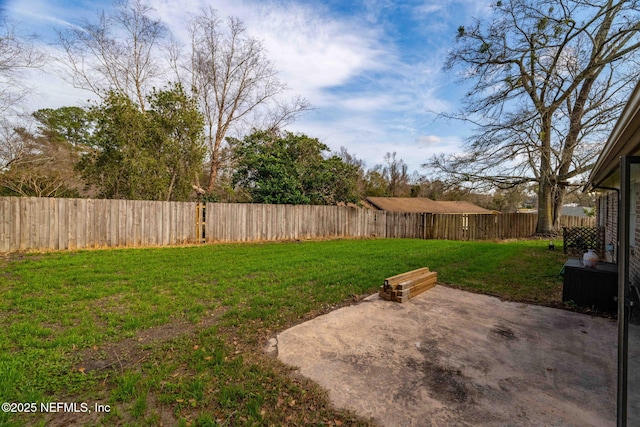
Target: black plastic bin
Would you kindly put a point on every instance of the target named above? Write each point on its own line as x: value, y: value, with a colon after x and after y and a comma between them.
x: 591, y: 287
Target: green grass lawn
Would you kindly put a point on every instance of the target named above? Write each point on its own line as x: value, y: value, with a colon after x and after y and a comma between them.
x: 175, y: 336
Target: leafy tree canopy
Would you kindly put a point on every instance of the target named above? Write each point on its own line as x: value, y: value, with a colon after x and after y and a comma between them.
x: 155, y: 154
x: 288, y: 168
x: 70, y: 124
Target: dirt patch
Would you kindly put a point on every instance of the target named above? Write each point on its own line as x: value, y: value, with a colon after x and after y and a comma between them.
x: 129, y: 353
x: 18, y: 256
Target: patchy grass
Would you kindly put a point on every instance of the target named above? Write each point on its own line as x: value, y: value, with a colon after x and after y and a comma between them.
x: 175, y: 336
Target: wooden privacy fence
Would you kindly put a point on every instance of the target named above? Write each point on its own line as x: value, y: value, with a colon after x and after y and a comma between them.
x: 489, y: 226
x: 46, y: 223
x: 29, y: 223
x: 235, y: 222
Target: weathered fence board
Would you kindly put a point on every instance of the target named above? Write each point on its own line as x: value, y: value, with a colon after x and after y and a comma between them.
x: 30, y: 223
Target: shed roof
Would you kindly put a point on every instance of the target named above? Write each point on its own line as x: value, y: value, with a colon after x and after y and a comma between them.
x: 422, y: 204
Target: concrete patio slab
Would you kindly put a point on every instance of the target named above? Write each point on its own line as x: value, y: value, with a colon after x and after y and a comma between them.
x: 454, y: 358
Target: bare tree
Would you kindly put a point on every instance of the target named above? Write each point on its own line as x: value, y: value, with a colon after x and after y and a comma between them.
x: 237, y: 85
x: 12, y: 145
x: 395, y: 173
x: 36, y: 165
x: 359, y: 167
x: 17, y: 54
x: 550, y: 76
x: 118, y: 52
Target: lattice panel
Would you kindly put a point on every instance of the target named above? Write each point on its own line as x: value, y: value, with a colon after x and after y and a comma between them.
x: 577, y: 240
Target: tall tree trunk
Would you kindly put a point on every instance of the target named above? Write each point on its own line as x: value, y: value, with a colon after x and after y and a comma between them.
x: 545, y: 188
x: 576, y: 115
x: 171, y: 184
x: 213, y: 173
x: 214, y: 166
x: 545, y: 209
x: 558, y: 202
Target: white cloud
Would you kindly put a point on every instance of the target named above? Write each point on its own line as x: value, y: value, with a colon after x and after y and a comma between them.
x: 372, y: 103
x: 311, y: 49
x: 369, y: 137
x: 52, y: 92
x: 439, y: 144
x: 429, y: 140
x: 376, y: 9
x: 43, y: 15
x: 448, y: 8
x: 428, y: 8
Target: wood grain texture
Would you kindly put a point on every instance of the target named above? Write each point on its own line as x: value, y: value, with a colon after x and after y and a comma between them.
x: 29, y: 223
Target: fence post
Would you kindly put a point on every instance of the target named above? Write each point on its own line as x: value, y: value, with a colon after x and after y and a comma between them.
x: 200, y: 222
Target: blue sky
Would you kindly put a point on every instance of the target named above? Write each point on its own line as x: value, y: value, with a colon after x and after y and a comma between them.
x: 371, y: 68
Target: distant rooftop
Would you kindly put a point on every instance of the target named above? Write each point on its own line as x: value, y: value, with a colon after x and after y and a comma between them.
x: 566, y: 211
x: 422, y: 204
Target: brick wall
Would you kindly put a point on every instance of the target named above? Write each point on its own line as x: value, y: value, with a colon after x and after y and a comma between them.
x: 634, y: 253
x: 607, y: 217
